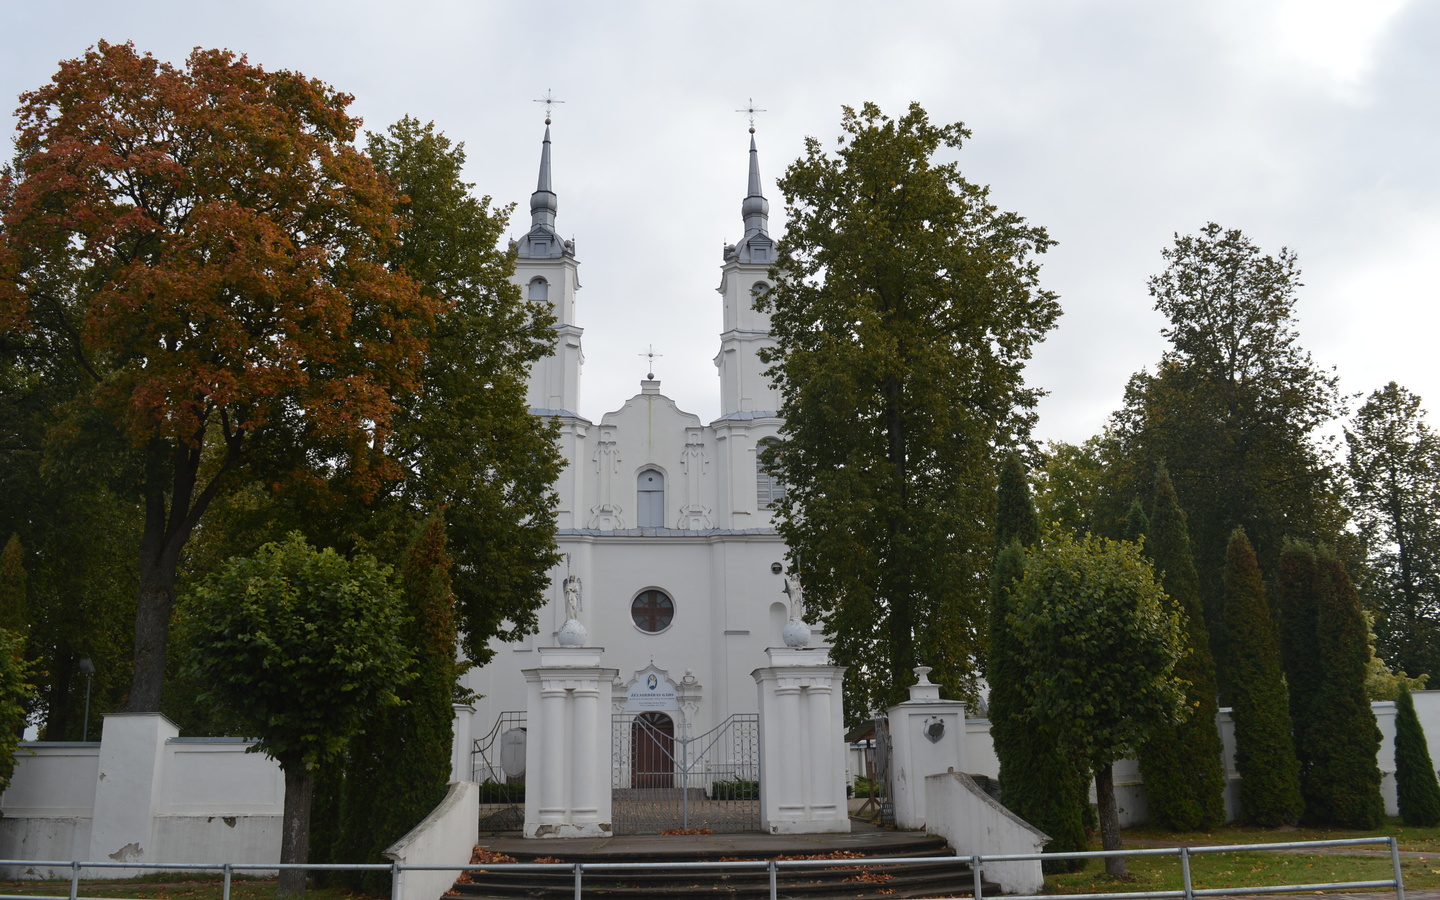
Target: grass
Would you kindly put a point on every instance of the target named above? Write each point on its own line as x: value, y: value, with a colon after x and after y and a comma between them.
x: 1261, y: 869
x: 172, y: 886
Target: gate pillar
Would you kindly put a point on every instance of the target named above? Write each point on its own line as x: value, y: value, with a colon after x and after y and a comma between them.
x: 567, y: 750
x: 802, y: 743
x: 927, y: 737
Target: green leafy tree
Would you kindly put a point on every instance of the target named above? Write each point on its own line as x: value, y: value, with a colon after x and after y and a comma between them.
x: 1181, y: 764
x: 1100, y: 643
x: 904, y: 307
x: 16, y: 695
x: 205, y: 243
x: 1037, y: 781
x: 300, y: 645
x: 1393, y: 466
x: 1344, y: 782
x: 1232, y: 409
x: 1264, y: 748
x: 398, y: 774
x: 13, y: 602
x: 466, y: 439
x: 1416, y: 787
x: 1069, y: 485
x: 77, y: 537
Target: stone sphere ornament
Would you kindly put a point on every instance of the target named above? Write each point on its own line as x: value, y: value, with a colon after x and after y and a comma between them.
x: 796, y: 634
x: 571, y: 634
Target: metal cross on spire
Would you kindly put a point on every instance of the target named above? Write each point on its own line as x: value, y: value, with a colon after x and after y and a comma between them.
x: 650, y: 354
x: 751, y: 111
x: 550, y: 102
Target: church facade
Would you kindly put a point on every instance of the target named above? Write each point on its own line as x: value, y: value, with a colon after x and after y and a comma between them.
x: 670, y: 550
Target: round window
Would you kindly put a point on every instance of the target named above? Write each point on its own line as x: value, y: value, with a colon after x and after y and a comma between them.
x: 652, y: 611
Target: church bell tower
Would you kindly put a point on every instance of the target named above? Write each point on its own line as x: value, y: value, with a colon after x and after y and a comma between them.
x: 743, y: 276
x: 546, y: 270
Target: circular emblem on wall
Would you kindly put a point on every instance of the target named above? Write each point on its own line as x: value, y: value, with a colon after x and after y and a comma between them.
x: 651, y: 681
x: 933, y: 728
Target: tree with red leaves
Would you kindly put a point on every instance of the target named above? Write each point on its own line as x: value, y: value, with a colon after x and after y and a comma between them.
x: 205, y: 247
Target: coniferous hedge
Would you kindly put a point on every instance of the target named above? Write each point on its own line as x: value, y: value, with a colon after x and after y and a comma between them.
x: 1415, y: 783
x: 1299, y: 587
x: 1344, y: 782
x: 1037, y: 782
x: 397, y: 771
x: 1182, y: 765
x: 1264, y: 751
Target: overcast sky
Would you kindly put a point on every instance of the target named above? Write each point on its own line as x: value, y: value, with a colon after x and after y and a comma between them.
x: 1309, y: 124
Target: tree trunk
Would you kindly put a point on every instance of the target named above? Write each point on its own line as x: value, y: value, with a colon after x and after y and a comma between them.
x: 295, y: 829
x: 152, y: 635
x: 1109, y: 819
x: 172, y: 510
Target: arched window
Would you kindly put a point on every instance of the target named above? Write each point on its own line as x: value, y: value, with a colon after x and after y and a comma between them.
x: 652, y: 611
x: 539, y: 289
x: 769, y: 489
x: 650, y: 499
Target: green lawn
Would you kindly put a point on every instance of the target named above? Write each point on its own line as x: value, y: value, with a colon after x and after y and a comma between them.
x: 1259, y: 869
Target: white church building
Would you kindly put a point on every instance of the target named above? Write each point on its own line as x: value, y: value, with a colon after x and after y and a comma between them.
x: 664, y: 520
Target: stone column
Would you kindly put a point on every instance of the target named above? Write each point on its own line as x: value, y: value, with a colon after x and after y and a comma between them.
x: 802, y: 743
x: 927, y: 737
x: 567, y: 750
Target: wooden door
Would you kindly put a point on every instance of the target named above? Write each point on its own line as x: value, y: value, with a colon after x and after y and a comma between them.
x: 652, y: 751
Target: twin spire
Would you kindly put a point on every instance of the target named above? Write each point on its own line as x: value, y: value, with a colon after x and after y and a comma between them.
x: 543, y: 241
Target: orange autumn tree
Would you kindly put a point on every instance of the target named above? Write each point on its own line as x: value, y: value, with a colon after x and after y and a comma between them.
x: 204, y: 244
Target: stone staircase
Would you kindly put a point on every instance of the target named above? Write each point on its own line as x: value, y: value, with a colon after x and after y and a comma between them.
x: 851, y: 878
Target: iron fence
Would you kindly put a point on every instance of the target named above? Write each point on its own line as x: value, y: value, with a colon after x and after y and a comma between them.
x: 977, y: 863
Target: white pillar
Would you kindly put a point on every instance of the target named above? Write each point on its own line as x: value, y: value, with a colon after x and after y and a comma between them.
x: 462, y: 745
x: 802, y: 743
x: 128, y: 794
x: 927, y: 737
x: 567, y: 750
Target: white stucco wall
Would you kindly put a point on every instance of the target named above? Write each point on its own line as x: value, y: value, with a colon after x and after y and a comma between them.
x: 156, y: 797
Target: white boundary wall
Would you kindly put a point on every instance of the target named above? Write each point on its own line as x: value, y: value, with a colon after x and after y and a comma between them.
x: 142, y: 794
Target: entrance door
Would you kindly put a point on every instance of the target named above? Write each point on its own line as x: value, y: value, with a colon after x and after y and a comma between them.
x: 652, y: 749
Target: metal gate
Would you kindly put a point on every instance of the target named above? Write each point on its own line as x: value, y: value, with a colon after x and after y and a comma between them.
x: 884, y: 775
x: 663, y: 781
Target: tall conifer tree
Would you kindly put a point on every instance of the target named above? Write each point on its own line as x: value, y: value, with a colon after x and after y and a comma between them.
x: 396, y: 773
x: 1264, y: 750
x: 1037, y: 782
x: 1299, y: 587
x: 1137, y: 524
x: 1181, y: 764
x: 1344, y: 782
x: 1415, y: 784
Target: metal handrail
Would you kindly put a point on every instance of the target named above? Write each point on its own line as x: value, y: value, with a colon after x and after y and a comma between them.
x: 977, y: 863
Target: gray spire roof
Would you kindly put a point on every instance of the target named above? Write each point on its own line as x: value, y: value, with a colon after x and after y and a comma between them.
x: 756, y: 246
x: 542, y: 240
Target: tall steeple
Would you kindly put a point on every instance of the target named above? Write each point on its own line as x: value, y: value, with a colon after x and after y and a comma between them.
x: 756, y: 246
x: 744, y: 389
x: 756, y: 209
x: 546, y: 270
x: 542, y: 241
